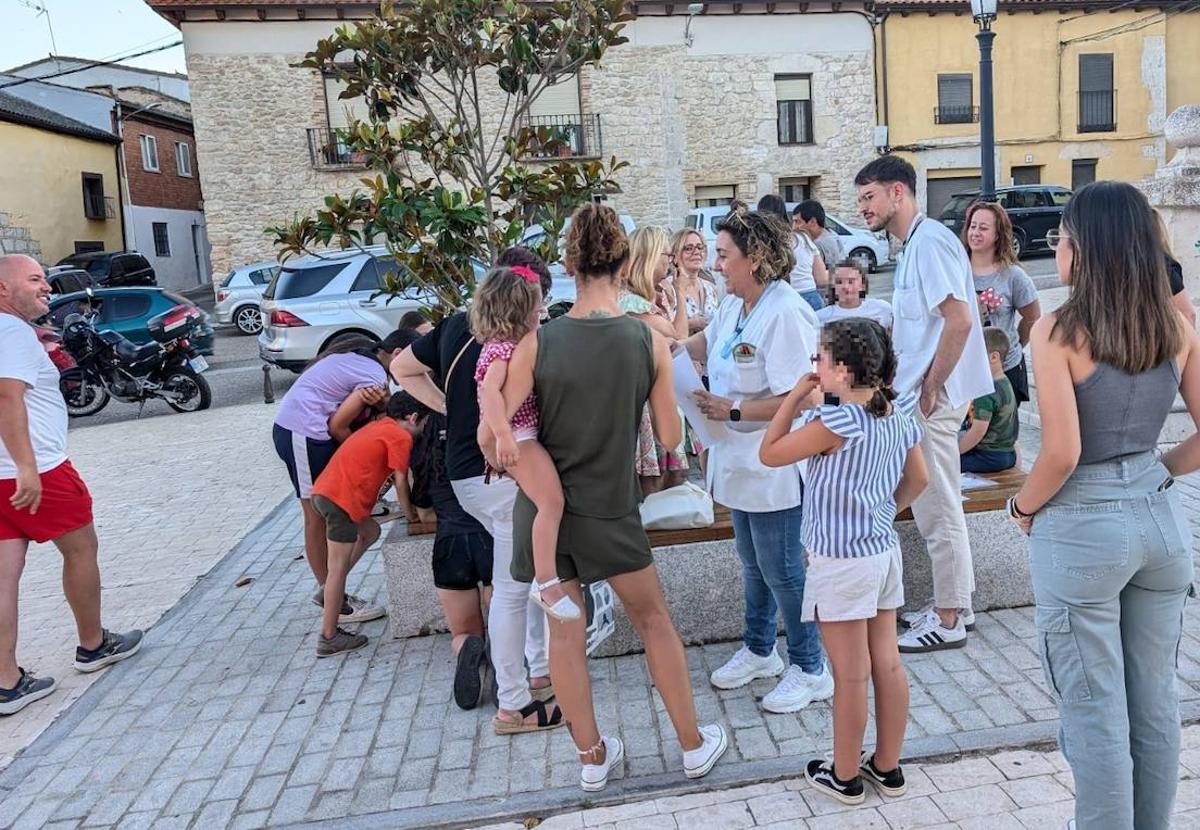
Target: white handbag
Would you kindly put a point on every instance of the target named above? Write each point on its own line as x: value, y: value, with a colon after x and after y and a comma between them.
x: 678, y: 508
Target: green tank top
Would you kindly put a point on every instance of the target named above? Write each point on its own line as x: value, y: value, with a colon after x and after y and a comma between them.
x: 592, y: 378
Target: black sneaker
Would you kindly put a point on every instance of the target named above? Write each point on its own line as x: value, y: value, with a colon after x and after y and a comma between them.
x: 890, y: 784
x: 468, y: 674
x: 820, y: 774
x: 113, y: 648
x: 27, y: 690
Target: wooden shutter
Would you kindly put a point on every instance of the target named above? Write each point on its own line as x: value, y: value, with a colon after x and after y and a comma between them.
x: 342, y: 111
x: 955, y: 92
x: 717, y: 192
x: 1095, y: 73
x: 793, y: 88
x: 560, y: 99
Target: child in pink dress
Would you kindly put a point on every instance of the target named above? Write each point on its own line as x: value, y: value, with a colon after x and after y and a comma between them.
x: 505, y: 309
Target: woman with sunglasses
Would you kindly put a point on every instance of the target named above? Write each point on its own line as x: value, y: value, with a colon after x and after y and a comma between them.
x: 751, y: 348
x: 1110, y: 550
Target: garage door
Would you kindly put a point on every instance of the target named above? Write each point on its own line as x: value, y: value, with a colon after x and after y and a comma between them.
x: 939, y: 191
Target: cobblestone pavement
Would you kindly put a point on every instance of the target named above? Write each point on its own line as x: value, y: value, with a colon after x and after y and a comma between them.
x: 1013, y: 790
x: 172, y: 496
x: 227, y: 719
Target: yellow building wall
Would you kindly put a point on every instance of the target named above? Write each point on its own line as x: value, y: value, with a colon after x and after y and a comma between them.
x: 1156, y: 67
x: 41, y: 188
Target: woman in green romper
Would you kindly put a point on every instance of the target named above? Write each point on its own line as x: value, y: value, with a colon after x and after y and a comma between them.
x: 593, y: 370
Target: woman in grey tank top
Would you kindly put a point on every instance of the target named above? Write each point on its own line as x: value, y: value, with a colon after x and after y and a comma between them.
x: 1110, y: 551
x: 593, y: 371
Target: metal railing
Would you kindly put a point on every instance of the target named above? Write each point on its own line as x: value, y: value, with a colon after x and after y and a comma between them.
x: 1098, y: 111
x: 580, y: 134
x: 956, y: 115
x: 98, y: 206
x: 327, y: 149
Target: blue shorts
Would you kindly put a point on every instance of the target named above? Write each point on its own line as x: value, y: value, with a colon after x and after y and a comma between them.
x: 305, y: 458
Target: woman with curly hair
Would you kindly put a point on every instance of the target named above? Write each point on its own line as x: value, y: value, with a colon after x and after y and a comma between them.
x: 752, y: 348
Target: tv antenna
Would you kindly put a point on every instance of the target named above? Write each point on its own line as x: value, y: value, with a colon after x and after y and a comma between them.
x: 41, y: 10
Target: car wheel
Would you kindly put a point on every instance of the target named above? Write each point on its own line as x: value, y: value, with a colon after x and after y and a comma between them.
x: 866, y: 256
x: 1018, y: 243
x: 248, y: 319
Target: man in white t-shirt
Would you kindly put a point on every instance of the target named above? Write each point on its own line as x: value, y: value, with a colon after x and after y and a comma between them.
x: 942, y: 366
x: 42, y: 498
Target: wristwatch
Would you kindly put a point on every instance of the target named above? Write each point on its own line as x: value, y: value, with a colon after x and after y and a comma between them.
x: 735, y: 411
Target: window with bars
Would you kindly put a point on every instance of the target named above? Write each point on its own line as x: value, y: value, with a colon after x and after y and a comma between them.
x: 1083, y: 171
x: 793, y: 104
x: 956, y: 98
x: 1097, y: 98
x: 162, y: 240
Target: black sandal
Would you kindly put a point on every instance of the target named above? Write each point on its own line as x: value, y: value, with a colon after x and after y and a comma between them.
x: 545, y: 720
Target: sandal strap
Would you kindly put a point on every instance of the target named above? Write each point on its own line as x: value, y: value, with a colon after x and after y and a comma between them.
x: 539, y: 707
x: 549, y: 583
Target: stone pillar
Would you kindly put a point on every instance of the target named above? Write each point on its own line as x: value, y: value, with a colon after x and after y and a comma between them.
x: 1175, y: 191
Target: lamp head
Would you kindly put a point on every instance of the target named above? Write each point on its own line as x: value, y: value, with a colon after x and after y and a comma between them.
x: 695, y: 9
x: 984, y: 11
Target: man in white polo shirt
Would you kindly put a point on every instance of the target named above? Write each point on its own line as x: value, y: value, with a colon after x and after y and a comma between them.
x: 42, y: 498
x: 942, y: 367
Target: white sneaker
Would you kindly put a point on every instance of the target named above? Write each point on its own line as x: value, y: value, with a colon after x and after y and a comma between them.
x: 911, y: 618
x: 797, y: 688
x: 698, y: 762
x: 354, y: 609
x: 745, y: 666
x: 594, y: 777
x: 930, y: 635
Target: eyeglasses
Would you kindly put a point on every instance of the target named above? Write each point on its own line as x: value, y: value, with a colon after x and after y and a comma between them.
x: 1054, y: 236
x: 692, y: 249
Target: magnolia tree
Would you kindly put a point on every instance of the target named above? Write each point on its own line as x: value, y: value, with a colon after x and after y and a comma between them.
x: 446, y: 86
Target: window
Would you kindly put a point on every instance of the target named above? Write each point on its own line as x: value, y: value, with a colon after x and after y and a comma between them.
x: 955, y: 100
x: 368, y: 278
x: 88, y: 247
x: 714, y: 195
x: 183, y: 159
x: 150, y: 153
x: 1097, y: 98
x: 302, y: 282
x: 162, y: 241
x: 1059, y: 198
x: 1083, y: 171
x: 94, y: 206
x: 793, y: 104
x: 1027, y: 175
x: 124, y: 307
x: 342, y: 111
x: 795, y: 189
x: 262, y: 276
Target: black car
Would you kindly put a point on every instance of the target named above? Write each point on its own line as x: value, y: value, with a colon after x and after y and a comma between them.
x: 65, y: 279
x: 114, y: 269
x: 1033, y: 208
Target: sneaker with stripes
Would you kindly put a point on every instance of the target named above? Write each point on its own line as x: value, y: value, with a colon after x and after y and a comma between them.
x: 930, y: 635
x: 820, y: 775
x: 911, y: 618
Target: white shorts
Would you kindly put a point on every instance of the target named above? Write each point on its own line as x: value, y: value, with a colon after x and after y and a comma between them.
x: 840, y: 590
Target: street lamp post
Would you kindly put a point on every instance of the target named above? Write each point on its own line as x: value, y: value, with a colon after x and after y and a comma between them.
x: 984, y: 12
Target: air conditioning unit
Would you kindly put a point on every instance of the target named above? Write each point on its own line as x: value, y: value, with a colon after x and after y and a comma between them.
x: 881, y: 137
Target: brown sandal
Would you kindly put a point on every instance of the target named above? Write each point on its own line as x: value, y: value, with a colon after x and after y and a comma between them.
x: 545, y: 720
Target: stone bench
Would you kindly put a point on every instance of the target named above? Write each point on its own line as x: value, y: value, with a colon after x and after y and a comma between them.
x: 702, y: 575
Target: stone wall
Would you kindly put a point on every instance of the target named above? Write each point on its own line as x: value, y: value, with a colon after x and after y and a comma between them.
x: 17, y: 240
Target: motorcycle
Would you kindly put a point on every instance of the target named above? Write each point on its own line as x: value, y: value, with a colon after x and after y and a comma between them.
x: 109, y: 365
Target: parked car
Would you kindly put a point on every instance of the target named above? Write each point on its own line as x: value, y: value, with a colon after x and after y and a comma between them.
x: 562, y: 290
x: 111, y: 269
x: 1033, y: 208
x: 314, y: 300
x: 65, y: 279
x: 128, y: 311
x: 855, y: 243
x: 240, y: 292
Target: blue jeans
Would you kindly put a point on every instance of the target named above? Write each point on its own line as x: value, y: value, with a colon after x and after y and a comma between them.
x: 814, y: 298
x: 772, y: 555
x: 1111, y: 560
x: 987, y: 461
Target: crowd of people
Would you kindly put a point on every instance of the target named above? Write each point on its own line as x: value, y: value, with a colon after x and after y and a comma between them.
x: 533, y: 444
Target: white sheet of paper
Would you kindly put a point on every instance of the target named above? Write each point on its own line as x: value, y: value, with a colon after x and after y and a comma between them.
x: 970, y: 481
x: 686, y: 380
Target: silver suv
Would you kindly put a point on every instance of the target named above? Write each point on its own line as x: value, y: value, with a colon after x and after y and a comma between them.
x: 240, y: 292
x: 314, y: 300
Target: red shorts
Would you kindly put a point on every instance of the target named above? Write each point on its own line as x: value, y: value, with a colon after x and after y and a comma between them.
x: 66, y: 506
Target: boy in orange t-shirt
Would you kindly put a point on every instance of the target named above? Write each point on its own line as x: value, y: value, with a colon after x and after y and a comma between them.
x: 344, y: 494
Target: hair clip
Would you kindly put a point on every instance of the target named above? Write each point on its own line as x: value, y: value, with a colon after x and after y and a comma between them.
x: 526, y: 273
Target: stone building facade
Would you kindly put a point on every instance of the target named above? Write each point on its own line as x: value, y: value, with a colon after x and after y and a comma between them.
x: 693, y: 117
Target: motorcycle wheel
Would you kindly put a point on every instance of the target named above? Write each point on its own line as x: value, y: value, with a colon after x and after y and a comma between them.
x: 193, y: 391
x: 82, y: 396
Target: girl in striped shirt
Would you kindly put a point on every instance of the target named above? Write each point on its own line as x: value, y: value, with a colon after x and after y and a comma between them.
x: 864, y: 464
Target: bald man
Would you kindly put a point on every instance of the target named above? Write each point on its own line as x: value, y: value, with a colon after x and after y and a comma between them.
x: 42, y: 498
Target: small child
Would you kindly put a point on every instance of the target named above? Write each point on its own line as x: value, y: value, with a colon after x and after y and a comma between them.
x: 344, y: 494
x: 865, y: 463
x: 990, y: 444
x: 850, y: 297
x: 506, y: 308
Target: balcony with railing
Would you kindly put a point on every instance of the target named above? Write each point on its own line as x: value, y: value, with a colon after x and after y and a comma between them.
x: 1098, y: 111
x: 99, y: 206
x: 579, y: 134
x: 327, y: 150
x: 961, y: 114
